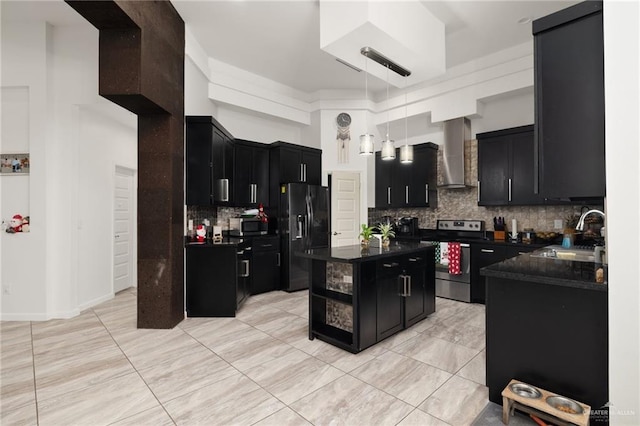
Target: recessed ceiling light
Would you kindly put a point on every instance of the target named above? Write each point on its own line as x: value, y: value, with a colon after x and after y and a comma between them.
x: 524, y: 20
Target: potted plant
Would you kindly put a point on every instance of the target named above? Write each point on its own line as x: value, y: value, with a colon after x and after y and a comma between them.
x: 386, y: 230
x: 366, y: 232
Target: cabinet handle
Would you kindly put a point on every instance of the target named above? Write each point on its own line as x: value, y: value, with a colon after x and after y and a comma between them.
x: 305, y: 172
x: 278, y: 261
x: 254, y: 193
x: 426, y: 193
x: 245, y: 264
x: 406, y: 194
x: 408, y: 292
x: 301, y: 172
x: 522, y: 252
x: 240, y: 252
x: 223, y: 189
x: 388, y: 195
x: 414, y: 259
x: 478, y: 191
x: 487, y: 250
x: 266, y: 245
x: 509, y: 189
x: 390, y: 265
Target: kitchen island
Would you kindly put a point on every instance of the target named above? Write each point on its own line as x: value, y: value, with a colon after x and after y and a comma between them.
x: 358, y: 297
x: 547, y: 325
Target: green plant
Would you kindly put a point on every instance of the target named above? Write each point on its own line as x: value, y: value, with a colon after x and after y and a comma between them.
x: 386, y: 230
x: 366, y: 232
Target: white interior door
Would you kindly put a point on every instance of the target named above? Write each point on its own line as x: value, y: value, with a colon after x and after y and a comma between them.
x: 345, y: 208
x: 123, y: 258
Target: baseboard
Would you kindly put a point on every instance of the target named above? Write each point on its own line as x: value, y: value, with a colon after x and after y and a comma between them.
x: 94, y: 302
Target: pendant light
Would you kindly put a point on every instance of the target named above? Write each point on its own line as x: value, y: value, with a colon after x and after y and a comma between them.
x: 366, y: 139
x: 406, y: 150
x: 388, y: 148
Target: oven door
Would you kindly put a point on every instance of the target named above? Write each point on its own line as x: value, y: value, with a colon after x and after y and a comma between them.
x: 454, y: 286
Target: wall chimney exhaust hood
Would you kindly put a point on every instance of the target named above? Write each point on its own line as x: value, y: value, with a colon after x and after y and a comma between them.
x: 456, y: 133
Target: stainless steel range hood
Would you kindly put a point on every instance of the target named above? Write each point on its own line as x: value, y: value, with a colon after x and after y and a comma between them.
x: 456, y: 133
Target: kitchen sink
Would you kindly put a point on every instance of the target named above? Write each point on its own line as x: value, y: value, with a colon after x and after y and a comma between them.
x: 561, y: 253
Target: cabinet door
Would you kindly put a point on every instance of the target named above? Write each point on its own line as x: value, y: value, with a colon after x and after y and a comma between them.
x: 383, y: 176
x: 569, y: 84
x: 198, y: 164
x: 261, y: 174
x: 222, y: 159
x: 522, y: 170
x: 423, y: 192
x: 389, y: 303
x: 265, y: 272
x: 493, y: 169
x: 401, y: 182
x: 417, y: 303
x: 290, y: 165
x: 481, y: 256
x: 312, y: 167
x: 243, y: 178
x: 244, y: 277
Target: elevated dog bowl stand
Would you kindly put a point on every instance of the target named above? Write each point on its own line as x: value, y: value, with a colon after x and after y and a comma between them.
x: 539, y: 408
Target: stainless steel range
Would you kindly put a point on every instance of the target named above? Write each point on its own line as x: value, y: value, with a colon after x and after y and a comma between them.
x: 455, y: 285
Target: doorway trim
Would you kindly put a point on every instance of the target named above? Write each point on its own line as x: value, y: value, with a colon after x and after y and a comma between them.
x: 133, y: 214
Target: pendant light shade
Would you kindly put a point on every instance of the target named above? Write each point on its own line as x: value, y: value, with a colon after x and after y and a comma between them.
x: 366, y: 144
x: 388, y: 150
x: 366, y: 140
x: 406, y: 154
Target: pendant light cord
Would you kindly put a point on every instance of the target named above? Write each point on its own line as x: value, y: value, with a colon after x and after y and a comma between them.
x: 388, y: 105
x: 406, y: 133
x: 366, y: 96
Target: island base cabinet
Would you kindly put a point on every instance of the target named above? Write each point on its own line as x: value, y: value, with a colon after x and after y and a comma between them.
x: 354, y: 305
x: 548, y: 336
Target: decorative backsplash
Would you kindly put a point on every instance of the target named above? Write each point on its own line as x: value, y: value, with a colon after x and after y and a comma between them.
x: 463, y: 204
x: 216, y: 215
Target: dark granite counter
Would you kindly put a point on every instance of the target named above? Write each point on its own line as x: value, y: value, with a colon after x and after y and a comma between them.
x: 561, y: 272
x: 356, y: 254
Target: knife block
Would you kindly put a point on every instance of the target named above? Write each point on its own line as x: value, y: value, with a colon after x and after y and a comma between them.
x: 499, y: 235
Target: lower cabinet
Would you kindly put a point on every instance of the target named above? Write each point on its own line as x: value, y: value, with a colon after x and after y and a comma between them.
x: 485, y: 254
x: 217, y: 277
x: 354, y: 305
x: 265, y: 264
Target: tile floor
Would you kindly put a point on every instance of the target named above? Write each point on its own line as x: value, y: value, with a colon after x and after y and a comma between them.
x: 259, y: 368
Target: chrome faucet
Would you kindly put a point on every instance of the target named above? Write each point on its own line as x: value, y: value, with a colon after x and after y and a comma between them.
x: 580, y: 225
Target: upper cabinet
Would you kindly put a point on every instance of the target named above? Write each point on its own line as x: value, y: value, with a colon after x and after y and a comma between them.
x: 209, y: 162
x: 251, y: 173
x: 569, y: 102
x: 408, y: 184
x: 297, y: 163
x: 506, y: 167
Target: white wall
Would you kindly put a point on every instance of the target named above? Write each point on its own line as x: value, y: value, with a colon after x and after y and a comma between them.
x: 253, y: 126
x: 24, y: 64
x: 196, y: 101
x: 622, y: 113
x: 58, y: 66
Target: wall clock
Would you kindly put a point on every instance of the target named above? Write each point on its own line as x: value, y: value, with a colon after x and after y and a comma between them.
x: 343, y: 121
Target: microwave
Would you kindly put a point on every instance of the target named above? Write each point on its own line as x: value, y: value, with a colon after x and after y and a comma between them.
x: 244, y: 226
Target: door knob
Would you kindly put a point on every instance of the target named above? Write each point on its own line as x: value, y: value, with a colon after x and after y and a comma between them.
x: 337, y: 233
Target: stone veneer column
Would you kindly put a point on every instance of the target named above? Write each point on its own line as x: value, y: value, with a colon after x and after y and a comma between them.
x: 141, y: 68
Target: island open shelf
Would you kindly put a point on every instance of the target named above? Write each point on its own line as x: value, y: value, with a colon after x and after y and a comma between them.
x: 360, y: 297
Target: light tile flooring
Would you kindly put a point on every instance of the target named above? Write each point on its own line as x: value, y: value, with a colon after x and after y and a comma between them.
x: 259, y: 368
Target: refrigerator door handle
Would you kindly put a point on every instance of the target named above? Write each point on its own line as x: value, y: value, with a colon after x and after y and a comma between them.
x: 299, y: 227
x: 301, y: 172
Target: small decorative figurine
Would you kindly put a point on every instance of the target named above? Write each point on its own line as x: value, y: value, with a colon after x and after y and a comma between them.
x: 15, y: 224
x: 261, y: 214
x: 201, y: 233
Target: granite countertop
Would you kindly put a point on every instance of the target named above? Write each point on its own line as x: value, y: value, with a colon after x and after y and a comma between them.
x: 566, y: 273
x: 227, y: 241
x: 356, y: 254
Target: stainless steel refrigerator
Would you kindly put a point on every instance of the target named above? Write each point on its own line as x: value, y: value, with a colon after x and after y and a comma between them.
x: 303, y: 224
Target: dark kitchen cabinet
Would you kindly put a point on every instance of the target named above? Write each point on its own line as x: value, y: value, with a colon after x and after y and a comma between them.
x: 407, y: 184
x: 485, y: 254
x: 421, y: 299
x: 265, y: 264
x: 251, y: 173
x: 569, y: 103
x: 506, y: 167
x: 389, y: 302
x: 209, y: 162
x: 216, y: 279
x: 297, y: 163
